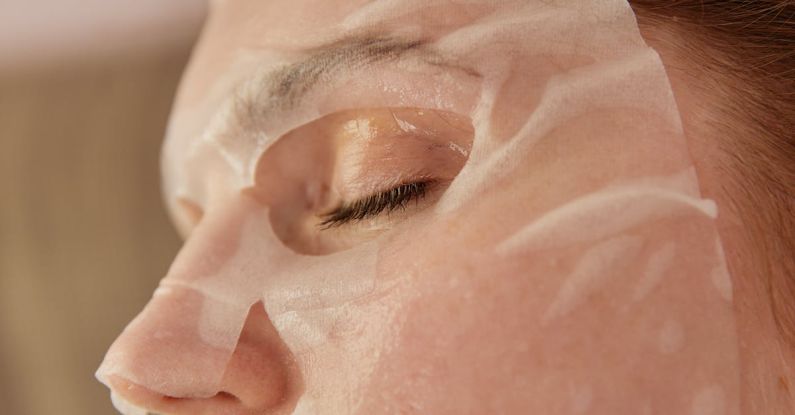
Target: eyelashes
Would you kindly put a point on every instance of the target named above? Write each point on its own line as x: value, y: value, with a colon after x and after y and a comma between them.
x: 373, y: 205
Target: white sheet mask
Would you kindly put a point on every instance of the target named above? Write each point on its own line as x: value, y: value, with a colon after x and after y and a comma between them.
x: 571, y: 109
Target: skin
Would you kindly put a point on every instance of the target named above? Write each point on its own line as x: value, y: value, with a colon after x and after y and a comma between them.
x: 445, y: 353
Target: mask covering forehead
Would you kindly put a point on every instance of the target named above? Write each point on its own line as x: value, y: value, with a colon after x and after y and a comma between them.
x: 568, y: 105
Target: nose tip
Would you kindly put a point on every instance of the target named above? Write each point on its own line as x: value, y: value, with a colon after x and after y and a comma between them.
x: 260, y: 378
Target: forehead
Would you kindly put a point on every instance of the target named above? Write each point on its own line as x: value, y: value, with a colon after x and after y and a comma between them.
x: 236, y: 35
x: 241, y: 36
x: 237, y: 29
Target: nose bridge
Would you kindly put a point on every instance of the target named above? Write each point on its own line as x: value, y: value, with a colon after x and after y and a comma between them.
x: 230, y: 254
x: 181, y: 343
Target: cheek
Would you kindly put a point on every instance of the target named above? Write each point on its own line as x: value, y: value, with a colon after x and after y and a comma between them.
x: 596, y: 327
x: 469, y: 330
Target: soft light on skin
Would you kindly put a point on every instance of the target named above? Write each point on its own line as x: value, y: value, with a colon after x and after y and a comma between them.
x: 458, y: 328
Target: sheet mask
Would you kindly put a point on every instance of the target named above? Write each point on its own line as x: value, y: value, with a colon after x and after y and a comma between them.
x: 552, y: 87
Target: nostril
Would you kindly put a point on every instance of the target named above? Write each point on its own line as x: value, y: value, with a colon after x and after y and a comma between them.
x: 178, y: 406
x: 221, y: 397
x: 132, y: 399
x: 227, y: 396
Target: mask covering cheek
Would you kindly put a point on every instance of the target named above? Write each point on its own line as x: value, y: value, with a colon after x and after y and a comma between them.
x: 181, y: 343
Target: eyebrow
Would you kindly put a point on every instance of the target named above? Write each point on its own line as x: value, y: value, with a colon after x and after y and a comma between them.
x: 284, y: 88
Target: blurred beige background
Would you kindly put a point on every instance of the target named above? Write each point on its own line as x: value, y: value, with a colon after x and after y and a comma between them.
x: 85, y: 91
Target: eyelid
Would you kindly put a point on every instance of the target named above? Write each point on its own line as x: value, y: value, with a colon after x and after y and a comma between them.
x: 375, y: 204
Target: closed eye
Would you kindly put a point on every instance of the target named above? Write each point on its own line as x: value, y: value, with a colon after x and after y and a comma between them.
x: 376, y: 204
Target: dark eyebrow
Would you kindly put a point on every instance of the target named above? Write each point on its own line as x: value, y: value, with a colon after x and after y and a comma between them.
x: 284, y: 88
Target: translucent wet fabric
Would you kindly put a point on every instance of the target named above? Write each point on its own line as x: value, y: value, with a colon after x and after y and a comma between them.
x: 572, y: 195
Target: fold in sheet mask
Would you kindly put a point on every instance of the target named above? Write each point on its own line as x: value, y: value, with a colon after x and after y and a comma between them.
x: 578, y: 196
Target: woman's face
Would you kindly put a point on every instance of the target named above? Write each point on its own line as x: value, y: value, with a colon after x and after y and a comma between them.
x: 431, y: 207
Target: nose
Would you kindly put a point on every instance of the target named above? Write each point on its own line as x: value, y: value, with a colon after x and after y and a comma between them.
x: 205, y: 344
x: 259, y: 379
